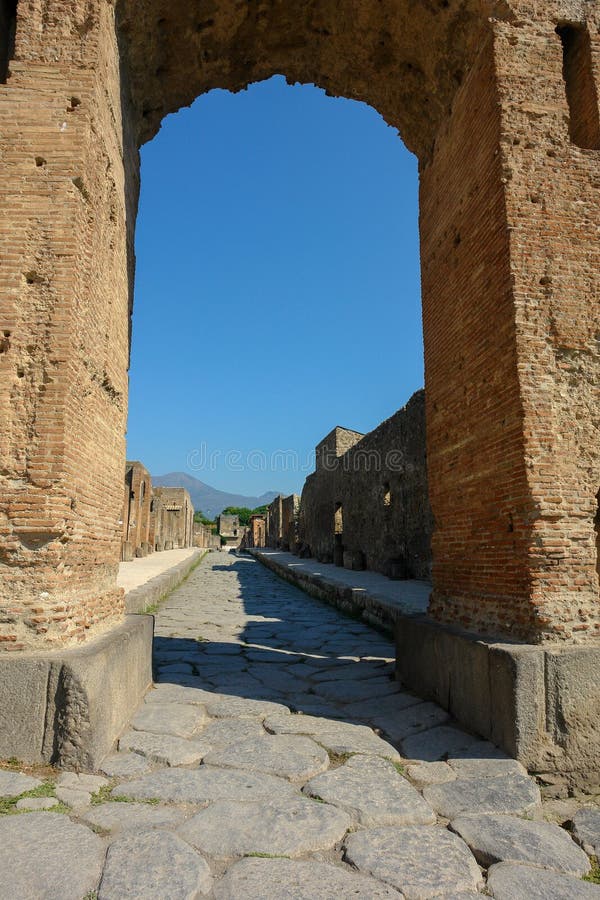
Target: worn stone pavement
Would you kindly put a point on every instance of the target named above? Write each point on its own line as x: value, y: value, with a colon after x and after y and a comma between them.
x: 277, y: 758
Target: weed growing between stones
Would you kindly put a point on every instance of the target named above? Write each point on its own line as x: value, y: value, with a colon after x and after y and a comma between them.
x: 594, y: 874
x: 266, y: 856
x: 8, y: 805
x: 337, y: 759
x: 104, y: 795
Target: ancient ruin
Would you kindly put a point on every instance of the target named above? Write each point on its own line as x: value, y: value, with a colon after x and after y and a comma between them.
x: 499, y: 101
x: 366, y: 505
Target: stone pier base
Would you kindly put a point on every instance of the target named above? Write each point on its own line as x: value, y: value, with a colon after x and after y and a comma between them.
x: 67, y: 707
x: 540, y: 703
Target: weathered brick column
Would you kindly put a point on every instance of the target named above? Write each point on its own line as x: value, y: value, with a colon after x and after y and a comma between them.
x: 510, y: 225
x: 64, y: 326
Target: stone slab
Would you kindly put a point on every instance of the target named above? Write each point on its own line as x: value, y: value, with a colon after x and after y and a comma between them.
x: 510, y: 795
x: 293, y: 756
x: 420, y: 861
x: 37, y: 803
x: 205, y: 785
x: 164, y: 748
x: 179, y: 719
x: 290, y: 827
x: 155, y: 866
x: 372, y: 792
x: 509, y: 881
x: 427, y: 773
x: 115, y: 816
x: 68, y: 706
x: 238, y: 707
x: 125, y: 765
x: 287, y: 879
x: 12, y: 784
x: 540, y: 703
x: 586, y: 829
x: 44, y: 856
x: 494, y: 839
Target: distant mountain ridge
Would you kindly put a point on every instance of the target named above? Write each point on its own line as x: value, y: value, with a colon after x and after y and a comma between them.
x: 207, y: 498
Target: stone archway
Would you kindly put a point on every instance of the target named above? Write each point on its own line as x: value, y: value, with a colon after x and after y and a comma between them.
x: 510, y: 257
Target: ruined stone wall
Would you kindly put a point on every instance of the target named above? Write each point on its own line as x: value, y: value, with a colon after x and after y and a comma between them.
x: 137, y: 502
x: 204, y: 538
x: 372, y: 502
x: 290, y: 507
x: 274, y: 522
x: 173, y: 518
x: 502, y: 111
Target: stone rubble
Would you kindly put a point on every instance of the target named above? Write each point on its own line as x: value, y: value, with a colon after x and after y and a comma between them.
x: 269, y: 761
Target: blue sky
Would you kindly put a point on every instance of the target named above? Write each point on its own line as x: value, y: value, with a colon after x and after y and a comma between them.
x: 277, y: 284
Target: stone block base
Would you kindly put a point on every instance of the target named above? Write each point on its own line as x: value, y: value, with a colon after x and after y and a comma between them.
x: 540, y: 703
x: 67, y: 707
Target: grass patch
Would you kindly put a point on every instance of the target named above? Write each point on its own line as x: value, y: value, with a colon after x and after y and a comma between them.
x: 104, y: 795
x: 594, y: 876
x: 398, y: 766
x: 8, y: 805
x: 265, y: 856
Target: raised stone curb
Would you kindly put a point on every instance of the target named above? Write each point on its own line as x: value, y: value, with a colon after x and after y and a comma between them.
x: 149, y: 594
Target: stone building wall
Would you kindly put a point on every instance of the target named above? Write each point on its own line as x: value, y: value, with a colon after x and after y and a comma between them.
x: 290, y: 507
x: 230, y: 530
x: 274, y: 522
x: 137, y: 503
x: 256, y: 533
x: 368, y: 507
x: 172, y: 518
x: 204, y: 538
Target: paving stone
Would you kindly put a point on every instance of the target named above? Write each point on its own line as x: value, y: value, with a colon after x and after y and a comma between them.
x: 238, y: 707
x: 290, y: 827
x: 14, y: 783
x: 153, y: 866
x: 339, y: 737
x: 288, y: 879
x: 125, y: 765
x: 75, y: 782
x: 510, y: 881
x: 384, y: 706
x: 204, y: 785
x: 372, y: 792
x: 76, y: 800
x: 164, y: 748
x: 419, y: 861
x: 586, y: 829
x: 415, y: 718
x: 510, y: 795
x: 180, y: 719
x: 37, y: 803
x: 494, y: 839
x: 296, y: 757
x: 350, y: 691
x: 223, y: 732
x: 126, y: 816
x: 166, y: 692
x: 486, y: 768
x: 426, y: 773
x: 45, y: 856
x: 436, y: 743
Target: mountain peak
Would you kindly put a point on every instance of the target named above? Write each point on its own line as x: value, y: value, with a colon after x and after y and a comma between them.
x: 208, y: 499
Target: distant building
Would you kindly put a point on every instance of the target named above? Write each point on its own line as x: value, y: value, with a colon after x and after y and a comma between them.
x: 229, y: 530
x: 136, y: 511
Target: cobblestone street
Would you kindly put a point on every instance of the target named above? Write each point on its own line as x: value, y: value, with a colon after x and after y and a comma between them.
x: 276, y: 757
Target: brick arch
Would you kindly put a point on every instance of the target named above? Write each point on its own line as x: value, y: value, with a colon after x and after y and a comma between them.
x: 476, y: 89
